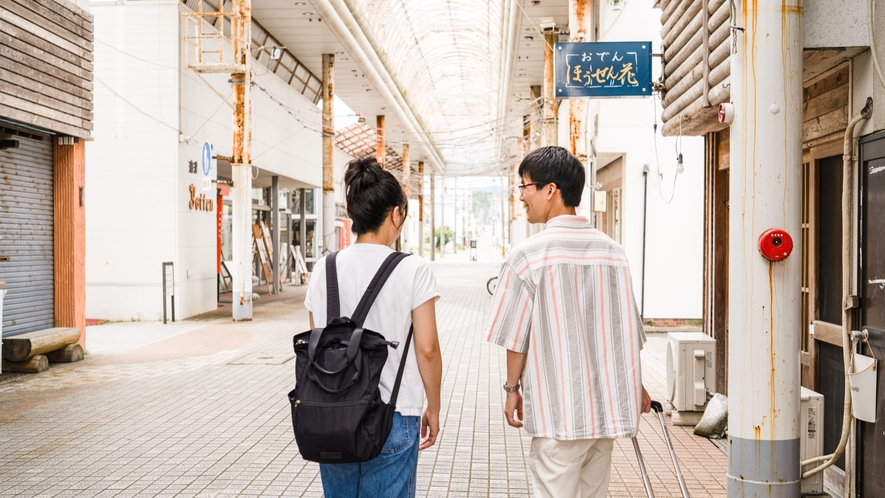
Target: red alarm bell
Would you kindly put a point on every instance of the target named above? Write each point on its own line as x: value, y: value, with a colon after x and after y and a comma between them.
x: 775, y: 244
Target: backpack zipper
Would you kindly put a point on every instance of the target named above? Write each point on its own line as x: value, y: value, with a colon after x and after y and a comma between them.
x: 298, y: 402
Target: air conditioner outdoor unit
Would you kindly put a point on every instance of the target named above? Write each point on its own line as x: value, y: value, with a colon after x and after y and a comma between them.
x: 691, y: 373
x: 811, y: 437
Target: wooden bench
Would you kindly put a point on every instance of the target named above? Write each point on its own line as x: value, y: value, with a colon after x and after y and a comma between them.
x: 32, y: 352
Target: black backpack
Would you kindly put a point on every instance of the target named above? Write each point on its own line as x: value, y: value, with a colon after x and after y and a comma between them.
x: 337, y: 412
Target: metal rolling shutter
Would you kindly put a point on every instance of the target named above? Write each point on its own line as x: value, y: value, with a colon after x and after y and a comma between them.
x: 26, y: 231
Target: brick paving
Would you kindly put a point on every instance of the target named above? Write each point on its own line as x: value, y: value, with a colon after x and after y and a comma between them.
x: 198, y: 408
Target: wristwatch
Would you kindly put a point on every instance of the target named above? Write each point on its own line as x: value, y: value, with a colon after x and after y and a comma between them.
x: 511, y: 389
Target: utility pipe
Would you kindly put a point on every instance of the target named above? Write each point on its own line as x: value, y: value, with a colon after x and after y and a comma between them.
x: 241, y: 164
x: 764, y: 316
x: 362, y: 46
x: 330, y: 241
x: 847, y: 251
x: 644, y: 234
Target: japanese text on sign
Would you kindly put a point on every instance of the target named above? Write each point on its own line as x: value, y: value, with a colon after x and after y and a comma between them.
x: 602, y: 69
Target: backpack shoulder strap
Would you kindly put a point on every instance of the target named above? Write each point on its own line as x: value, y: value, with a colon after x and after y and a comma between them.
x: 362, y: 309
x: 333, y: 306
x: 402, y: 368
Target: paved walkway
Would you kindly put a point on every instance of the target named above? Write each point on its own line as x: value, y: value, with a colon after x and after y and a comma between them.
x: 198, y: 408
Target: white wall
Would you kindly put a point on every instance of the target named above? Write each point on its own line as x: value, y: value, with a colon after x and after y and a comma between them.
x: 137, y: 212
x: 674, y: 230
x: 865, y: 82
x: 131, y: 178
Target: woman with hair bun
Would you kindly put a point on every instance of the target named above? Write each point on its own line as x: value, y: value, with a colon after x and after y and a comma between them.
x: 378, y: 208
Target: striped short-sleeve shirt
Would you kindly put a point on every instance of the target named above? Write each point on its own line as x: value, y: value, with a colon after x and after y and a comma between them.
x: 565, y: 298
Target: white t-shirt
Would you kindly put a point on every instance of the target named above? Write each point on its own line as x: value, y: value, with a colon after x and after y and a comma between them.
x: 410, y: 285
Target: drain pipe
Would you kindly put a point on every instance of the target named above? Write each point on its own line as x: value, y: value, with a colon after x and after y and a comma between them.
x: 848, y: 300
x: 644, y: 236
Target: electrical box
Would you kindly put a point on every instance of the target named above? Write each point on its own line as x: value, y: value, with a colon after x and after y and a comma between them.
x: 811, y: 437
x: 691, y: 370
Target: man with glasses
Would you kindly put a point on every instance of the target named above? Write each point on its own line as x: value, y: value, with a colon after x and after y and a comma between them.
x: 564, y: 308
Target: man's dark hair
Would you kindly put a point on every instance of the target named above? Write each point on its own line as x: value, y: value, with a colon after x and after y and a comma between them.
x: 554, y: 164
x: 371, y: 193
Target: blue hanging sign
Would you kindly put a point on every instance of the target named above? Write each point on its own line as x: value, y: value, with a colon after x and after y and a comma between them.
x: 602, y: 69
x: 206, y: 158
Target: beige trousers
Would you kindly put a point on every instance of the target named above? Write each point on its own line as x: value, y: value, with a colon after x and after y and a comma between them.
x: 570, y: 468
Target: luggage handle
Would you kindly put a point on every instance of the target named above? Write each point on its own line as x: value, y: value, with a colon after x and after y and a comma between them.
x: 659, y: 411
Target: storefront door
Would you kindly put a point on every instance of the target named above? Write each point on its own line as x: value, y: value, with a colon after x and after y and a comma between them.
x: 872, y: 298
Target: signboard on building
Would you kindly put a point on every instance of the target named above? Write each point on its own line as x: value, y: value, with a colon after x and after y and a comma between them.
x: 206, y: 165
x: 602, y: 69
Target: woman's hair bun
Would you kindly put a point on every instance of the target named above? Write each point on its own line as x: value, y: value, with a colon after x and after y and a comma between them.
x: 360, y: 171
x: 371, y: 192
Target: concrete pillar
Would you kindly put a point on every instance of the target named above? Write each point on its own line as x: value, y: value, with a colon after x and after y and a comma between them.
x: 330, y: 235
x: 421, y: 208
x: 275, y: 231
x: 581, y: 30
x: 70, y: 236
x: 432, y: 217
x: 550, y: 135
x: 535, y: 118
x: 407, y: 187
x: 241, y: 167
x: 379, y: 140
x: 302, y: 200
x: 764, y: 309
x: 442, y: 219
x: 537, y: 133
x: 455, y: 221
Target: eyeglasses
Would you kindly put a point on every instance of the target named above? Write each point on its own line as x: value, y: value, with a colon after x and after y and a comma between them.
x: 522, y: 186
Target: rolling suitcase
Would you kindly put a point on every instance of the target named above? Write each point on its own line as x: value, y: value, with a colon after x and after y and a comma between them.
x: 659, y: 410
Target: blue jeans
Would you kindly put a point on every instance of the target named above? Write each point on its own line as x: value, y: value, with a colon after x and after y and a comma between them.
x: 390, y: 474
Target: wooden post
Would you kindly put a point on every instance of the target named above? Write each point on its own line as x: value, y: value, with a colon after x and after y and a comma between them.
x: 550, y: 135
x: 379, y: 139
x: 432, y: 217
x: 407, y: 188
x: 421, y: 209
x: 70, y: 236
x: 329, y: 234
